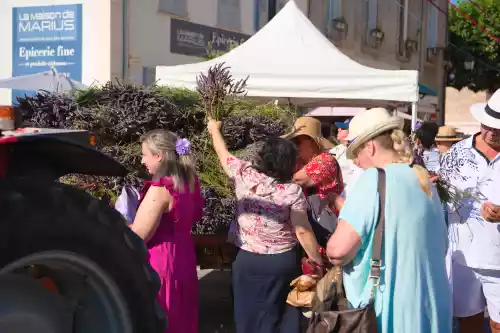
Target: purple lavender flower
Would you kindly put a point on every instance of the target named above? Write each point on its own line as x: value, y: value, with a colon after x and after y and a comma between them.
x: 183, y: 147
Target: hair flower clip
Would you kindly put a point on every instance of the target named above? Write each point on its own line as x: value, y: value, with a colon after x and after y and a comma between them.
x: 183, y: 147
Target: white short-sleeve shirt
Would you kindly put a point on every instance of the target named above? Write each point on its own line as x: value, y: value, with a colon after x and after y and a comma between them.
x: 350, y: 172
x: 476, y: 242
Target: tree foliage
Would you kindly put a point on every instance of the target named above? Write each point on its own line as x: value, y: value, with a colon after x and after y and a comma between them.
x: 468, y: 42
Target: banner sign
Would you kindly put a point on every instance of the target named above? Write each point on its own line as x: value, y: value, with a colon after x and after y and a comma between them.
x: 44, y: 37
x: 195, y: 39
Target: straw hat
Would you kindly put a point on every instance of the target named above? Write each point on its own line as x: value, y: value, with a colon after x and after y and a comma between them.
x: 488, y: 114
x: 310, y: 127
x: 447, y: 133
x: 368, y: 125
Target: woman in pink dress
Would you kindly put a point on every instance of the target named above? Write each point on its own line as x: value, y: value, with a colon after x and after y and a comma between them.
x: 170, y: 204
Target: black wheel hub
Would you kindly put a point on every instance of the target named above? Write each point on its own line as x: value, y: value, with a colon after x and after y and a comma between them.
x: 60, y: 292
x: 27, y: 307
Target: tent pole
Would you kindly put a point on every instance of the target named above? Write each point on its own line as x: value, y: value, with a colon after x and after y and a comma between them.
x: 413, y: 116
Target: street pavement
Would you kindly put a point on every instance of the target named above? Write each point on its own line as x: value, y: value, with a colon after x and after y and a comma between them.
x: 216, y: 313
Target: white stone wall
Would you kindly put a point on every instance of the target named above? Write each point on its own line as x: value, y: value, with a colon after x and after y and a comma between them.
x: 458, y: 104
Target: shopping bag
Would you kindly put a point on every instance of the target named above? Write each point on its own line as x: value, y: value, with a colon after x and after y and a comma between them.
x: 128, y: 202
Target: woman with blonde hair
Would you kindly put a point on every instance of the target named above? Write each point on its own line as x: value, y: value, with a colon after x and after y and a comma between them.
x: 413, y: 293
x: 169, y: 206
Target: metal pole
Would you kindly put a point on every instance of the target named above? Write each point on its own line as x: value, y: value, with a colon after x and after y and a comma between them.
x: 125, y: 46
x: 423, y: 32
x: 444, y: 79
x: 413, y: 116
x: 405, y: 23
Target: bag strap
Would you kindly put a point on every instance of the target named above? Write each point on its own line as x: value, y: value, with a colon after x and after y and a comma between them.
x: 376, y: 262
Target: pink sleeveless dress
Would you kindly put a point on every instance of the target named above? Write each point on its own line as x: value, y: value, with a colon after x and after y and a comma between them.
x: 172, y: 255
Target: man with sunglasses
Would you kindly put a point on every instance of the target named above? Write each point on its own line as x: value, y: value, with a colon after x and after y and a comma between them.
x: 472, y: 168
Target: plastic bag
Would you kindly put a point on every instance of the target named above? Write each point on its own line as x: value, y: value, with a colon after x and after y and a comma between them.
x: 128, y: 202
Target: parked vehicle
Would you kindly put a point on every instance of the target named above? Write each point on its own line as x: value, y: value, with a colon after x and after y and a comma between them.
x: 68, y: 261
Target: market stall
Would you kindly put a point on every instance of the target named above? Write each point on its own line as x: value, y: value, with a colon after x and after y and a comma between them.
x: 290, y: 60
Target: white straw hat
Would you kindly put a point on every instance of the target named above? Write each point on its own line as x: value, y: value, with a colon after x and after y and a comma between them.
x: 368, y: 125
x: 488, y: 114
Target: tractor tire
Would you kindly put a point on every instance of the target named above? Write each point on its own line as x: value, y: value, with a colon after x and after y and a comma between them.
x: 44, y: 216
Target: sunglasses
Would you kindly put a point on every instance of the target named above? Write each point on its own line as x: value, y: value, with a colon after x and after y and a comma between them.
x: 490, y: 129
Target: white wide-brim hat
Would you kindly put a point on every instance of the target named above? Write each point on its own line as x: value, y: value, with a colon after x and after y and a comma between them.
x: 368, y: 125
x: 488, y: 113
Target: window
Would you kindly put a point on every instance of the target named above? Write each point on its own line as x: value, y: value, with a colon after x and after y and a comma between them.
x: 262, y: 13
x: 371, y: 15
x: 229, y: 14
x: 334, y: 10
x: 317, y: 15
x: 432, y: 26
x: 280, y: 4
x: 176, y: 7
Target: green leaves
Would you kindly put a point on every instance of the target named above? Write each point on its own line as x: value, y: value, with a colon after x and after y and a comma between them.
x: 468, y: 42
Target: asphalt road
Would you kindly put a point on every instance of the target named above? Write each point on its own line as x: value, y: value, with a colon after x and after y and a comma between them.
x: 216, y: 313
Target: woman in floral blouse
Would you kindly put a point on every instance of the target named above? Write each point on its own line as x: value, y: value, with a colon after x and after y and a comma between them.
x: 271, y: 218
x: 318, y: 172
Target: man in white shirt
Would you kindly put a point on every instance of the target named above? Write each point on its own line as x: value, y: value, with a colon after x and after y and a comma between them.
x: 350, y: 172
x: 472, y: 167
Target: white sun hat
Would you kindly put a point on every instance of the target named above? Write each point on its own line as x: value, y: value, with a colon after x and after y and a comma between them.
x: 488, y: 113
x: 368, y: 125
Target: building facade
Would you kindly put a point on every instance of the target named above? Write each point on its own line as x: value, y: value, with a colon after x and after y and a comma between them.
x: 128, y: 38
x: 387, y: 34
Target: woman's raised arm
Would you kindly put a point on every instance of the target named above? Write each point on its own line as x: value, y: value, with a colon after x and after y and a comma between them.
x: 219, y: 144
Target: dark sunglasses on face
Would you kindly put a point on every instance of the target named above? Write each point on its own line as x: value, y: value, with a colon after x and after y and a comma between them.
x: 490, y: 129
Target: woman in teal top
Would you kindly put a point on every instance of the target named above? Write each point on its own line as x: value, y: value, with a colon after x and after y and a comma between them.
x: 414, y: 293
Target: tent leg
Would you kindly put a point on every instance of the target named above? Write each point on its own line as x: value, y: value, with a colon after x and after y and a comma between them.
x: 413, y: 116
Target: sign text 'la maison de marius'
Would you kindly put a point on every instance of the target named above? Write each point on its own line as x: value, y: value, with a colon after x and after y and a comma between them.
x: 195, y: 39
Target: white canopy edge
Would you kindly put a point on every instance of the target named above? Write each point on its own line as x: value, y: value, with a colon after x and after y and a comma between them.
x: 290, y: 60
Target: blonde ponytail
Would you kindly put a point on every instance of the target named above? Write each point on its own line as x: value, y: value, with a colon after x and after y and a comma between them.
x: 401, y: 145
x: 188, y: 164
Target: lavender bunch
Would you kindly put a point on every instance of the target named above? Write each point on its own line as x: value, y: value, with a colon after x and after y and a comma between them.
x: 217, y: 89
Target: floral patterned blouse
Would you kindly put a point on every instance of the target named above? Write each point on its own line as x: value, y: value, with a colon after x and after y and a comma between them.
x: 324, y: 170
x: 263, y: 215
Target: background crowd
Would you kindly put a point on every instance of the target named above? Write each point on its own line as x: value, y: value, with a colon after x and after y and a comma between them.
x: 440, y: 258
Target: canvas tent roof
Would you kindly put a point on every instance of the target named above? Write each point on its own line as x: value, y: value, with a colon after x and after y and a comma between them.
x: 290, y: 59
x: 347, y: 112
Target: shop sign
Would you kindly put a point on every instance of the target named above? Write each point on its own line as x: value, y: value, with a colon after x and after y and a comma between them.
x: 195, y: 39
x: 44, y: 37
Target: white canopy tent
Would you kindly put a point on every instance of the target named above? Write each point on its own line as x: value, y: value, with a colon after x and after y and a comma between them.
x: 50, y: 81
x: 290, y: 60
x: 348, y: 112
